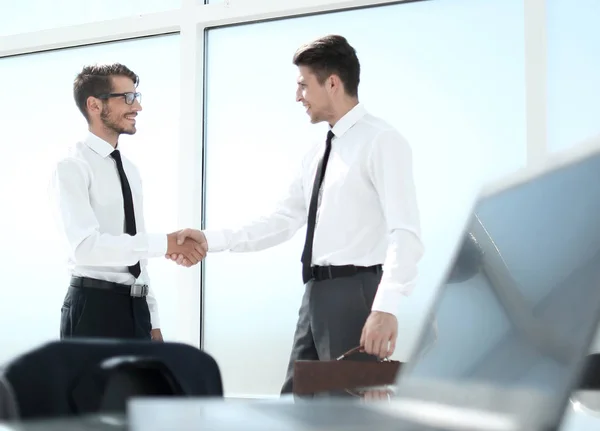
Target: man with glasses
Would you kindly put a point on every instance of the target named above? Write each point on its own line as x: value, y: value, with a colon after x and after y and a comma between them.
x: 97, y: 196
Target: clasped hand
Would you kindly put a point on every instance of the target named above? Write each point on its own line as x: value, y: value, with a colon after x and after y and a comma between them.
x: 187, y: 247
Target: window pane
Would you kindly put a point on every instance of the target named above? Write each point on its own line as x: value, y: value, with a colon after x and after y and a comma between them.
x: 17, y: 16
x: 40, y: 122
x: 448, y: 75
x: 573, y: 72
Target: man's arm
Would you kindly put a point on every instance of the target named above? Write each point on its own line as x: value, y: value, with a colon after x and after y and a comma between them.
x: 391, y: 170
x: 151, y: 297
x: 87, y: 245
x: 289, y: 215
x: 154, y: 316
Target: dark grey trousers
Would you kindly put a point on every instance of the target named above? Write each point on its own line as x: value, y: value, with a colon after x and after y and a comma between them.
x: 331, y: 319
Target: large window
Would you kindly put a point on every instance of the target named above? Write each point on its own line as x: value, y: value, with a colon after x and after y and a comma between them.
x: 32, y: 15
x: 573, y: 72
x: 39, y: 122
x: 448, y: 74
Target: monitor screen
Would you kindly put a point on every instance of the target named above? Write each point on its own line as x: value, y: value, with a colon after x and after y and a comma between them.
x: 520, y: 305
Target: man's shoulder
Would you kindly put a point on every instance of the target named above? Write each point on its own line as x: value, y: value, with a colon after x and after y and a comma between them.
x: 377, y: 124
x: 71, y: 156
x: 375, y: 130
x: 73, y: 161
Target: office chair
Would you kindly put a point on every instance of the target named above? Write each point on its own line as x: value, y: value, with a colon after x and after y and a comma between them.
x: 85, y: 376
x: 8, y: 402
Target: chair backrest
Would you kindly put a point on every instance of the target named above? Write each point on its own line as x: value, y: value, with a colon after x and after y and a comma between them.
x: 108, y: 386
x: 78, y: 376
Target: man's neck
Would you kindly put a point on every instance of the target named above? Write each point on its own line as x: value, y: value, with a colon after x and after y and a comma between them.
x: 340, y: 111
x: 110, y: 137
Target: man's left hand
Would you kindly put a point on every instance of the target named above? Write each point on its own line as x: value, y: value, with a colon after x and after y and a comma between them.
x: 156, y: 335
x: 379, y: 334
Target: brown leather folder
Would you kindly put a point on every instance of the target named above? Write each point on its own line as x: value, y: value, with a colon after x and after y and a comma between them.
x: 311, y: 377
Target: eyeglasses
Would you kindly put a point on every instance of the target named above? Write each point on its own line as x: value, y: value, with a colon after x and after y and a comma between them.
x: 129, y: 97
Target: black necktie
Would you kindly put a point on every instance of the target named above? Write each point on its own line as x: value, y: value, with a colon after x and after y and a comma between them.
x: 128, y: 206
x: 312, y: 212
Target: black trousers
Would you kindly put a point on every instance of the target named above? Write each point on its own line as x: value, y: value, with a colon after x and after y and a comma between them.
x: 88, y: 312
x: 331, y: 319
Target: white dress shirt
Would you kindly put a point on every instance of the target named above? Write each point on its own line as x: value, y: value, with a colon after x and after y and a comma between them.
x: 368, y: 213
x: 88, y: 205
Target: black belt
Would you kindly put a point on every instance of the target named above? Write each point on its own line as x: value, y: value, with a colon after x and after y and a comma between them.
x: 320, y: 273
x: 137, y: 290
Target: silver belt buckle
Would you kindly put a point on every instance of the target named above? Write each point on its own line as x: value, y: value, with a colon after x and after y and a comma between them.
x: 139, y: 290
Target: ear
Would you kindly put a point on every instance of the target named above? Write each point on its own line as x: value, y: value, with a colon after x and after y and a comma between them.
x: 334, y: 83
x: 93, y: 105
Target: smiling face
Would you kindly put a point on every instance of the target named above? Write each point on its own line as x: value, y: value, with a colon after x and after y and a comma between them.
x: 116, y: 116
x: 99, y: 91
x: 313, y: 95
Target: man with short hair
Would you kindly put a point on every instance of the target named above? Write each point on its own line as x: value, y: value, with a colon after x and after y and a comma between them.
x: 356, y: 194
x: 97, y: 197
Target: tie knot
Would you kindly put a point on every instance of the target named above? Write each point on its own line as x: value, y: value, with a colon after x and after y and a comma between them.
x: 330, y: 136
x: 116, y: 155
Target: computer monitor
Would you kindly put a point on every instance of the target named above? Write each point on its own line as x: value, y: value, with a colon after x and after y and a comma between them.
x: 519, y: 307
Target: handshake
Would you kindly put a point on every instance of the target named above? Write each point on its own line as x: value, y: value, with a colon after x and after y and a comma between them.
x: 187, y: 247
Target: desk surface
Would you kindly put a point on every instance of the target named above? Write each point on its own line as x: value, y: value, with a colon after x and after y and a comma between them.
x: 219, y: 415
x: 149, y: 415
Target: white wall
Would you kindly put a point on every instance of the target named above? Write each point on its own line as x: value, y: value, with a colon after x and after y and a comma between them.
x: 481, y: 76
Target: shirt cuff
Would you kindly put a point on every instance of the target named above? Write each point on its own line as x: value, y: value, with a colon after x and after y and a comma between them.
x: 388, y: 298
x: 216, y: 240
x: 154, y: 319
x: 157, y: 244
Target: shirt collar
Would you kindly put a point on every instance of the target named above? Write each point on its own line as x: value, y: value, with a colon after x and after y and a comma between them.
x: 98, y: 145
x: 350, y: 119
